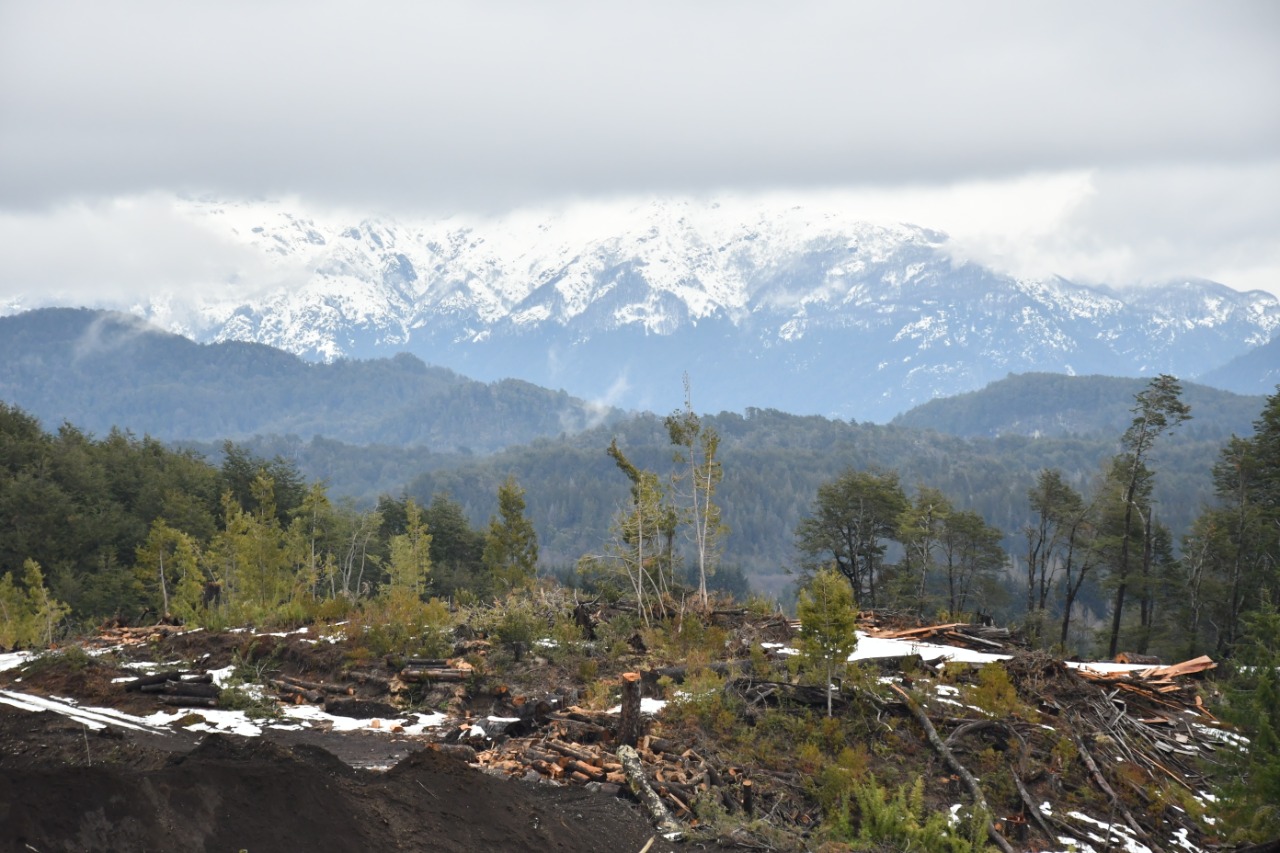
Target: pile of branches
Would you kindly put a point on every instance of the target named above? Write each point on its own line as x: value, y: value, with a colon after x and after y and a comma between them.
x: 967, y: 635
x: 679, y: 776
x: 1130, y: 730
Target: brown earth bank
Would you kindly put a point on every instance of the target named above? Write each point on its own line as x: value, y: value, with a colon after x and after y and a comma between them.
x: 66, y: 788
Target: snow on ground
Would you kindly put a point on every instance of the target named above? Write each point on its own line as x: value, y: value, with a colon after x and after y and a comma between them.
x: 870, y: 648
x: 94, y: 718
x: 293, y: 717
x: 12, y: 660
x: 647, y: 706
x: 1119, y: 834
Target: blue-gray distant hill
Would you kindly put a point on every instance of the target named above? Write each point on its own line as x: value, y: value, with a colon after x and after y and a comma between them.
x: 1255, y: 372
x: 100, y: 370
x: 1053, y: 405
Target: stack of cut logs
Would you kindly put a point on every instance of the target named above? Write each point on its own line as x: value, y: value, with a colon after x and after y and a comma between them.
x: 298, y: 691
x: 178, y: 688
x: 118, y: 635
x: 418, y: 670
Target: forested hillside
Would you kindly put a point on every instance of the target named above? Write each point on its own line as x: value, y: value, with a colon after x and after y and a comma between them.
x: 95, y: 514
x: 1053, y: 404
x: 100, y: 370
x: 774, y: 463
x: 123, y: 527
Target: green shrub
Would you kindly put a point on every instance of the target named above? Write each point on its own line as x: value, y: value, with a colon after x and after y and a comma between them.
x: 898, y: 822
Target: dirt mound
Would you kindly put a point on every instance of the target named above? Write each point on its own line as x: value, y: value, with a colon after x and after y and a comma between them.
x: 258, y: 795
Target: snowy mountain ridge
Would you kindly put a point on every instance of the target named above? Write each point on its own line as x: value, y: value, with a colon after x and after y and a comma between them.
x: 764, y: 303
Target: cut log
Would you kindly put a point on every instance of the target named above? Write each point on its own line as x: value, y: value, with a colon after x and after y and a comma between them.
x: 574, y: 752
x: 189, y: 701
x: 370, y: 678
x: 183, y: 688
x: 359, y: 709
x: 419, y: 675
x: 455, y: 750
x: 157, y: 678
x: 333, y: 689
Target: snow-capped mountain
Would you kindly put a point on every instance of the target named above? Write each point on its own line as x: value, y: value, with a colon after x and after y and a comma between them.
x: 797, y: 307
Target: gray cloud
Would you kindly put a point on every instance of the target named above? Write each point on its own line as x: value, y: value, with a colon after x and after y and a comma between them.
x: 1168, y: 108
x: 493, y: 104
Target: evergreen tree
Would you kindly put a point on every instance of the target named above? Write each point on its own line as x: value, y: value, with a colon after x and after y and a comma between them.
x: 167, y: 568
x: 511, y: 545
x: 971, y: 554
x: 410, y: 562
x: 1254, y: 696
x: 828, y: 626
x: 1157, y: 409
x: 921, y: 531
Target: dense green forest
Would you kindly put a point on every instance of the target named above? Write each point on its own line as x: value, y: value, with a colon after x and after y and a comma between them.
x: 969, y: 524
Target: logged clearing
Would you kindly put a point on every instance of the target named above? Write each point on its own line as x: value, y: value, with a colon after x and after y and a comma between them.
x: 160, y: 738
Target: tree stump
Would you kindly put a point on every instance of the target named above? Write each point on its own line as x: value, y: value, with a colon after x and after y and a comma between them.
x: 629, y: 727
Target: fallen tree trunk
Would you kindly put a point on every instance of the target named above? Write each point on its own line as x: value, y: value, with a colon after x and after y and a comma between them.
x: 427, y: 674
x: 679, y: 673
x: 334, y: 689
x: 975, y: 790
x: 643, y: 791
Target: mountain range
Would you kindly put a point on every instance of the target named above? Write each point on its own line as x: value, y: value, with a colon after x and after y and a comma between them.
x: 802, y: 308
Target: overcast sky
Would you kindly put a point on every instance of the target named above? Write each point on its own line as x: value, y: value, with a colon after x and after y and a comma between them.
x: 1111, y: 141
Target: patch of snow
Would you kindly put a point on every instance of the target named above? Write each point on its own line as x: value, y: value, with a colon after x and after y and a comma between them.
x: 870, y: 648
x: 13, y: 660
x: 647, y: 706
x: 222, y: 676
x: 94, y: 718
x: 1118, y: 832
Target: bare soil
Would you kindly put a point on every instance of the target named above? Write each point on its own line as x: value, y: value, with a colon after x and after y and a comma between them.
x: 65, y: 787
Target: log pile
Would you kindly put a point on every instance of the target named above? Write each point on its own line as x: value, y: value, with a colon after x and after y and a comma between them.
x: 432, y: 670
x: 678, y: 777
x: 178, y: 688
x: 125, y: 635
